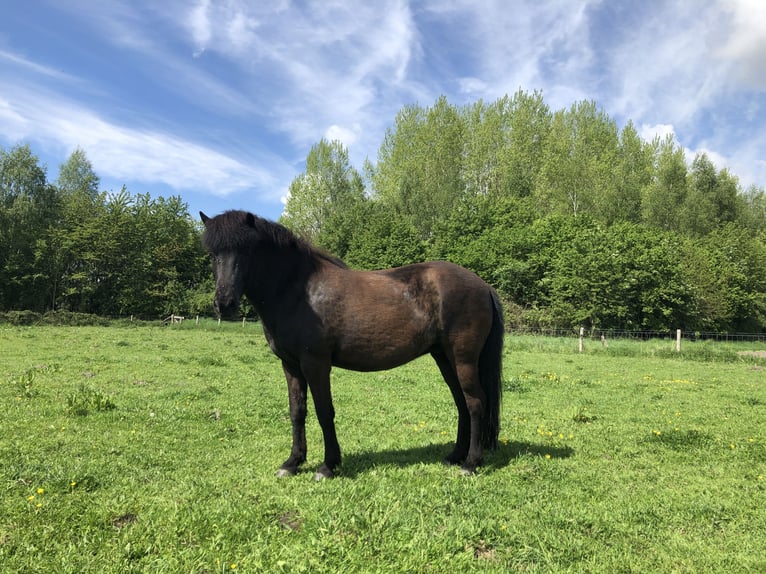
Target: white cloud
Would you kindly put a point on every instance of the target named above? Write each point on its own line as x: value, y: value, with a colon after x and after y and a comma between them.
x: 344, y: 135
x: 199, y: 25
x: 745, y: 47
x: 133, y: 154
x: 661, y: 131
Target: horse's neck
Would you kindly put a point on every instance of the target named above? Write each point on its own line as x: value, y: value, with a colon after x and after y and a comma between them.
x: 278, y: 283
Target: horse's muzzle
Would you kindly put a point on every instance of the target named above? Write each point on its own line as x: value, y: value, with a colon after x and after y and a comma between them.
x: 226, y: 308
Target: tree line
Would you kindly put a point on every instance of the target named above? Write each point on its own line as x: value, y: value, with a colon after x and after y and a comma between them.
x: 65, y: 245
x: 573, y: 220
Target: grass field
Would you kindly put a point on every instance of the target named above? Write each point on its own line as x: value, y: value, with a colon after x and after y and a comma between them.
x: 154, y: 449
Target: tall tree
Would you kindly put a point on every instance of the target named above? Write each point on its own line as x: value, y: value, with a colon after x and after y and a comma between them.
x: 503, y: 145
x: 29, y: 207
x: 76, y: 175
x: 325, y: 196
x: 418, y: 173
x: 529, y: 123
x: 664, y: 197
x: 632, y: 174
x: 578, y: 161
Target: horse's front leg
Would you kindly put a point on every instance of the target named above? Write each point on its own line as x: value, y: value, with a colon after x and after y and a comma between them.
x: 317, y: 373
x: 296, y: 388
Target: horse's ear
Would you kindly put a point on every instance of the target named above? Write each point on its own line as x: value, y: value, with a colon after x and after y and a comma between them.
x: 250, y: 220
x: 204, y: 218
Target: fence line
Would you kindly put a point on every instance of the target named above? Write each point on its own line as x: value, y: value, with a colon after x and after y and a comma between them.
x: 604, y: 335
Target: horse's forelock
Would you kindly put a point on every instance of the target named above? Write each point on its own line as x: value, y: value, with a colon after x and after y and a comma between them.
x: 229, y: 231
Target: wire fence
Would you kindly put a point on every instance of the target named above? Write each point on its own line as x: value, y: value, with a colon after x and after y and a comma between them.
x: 607, y: 334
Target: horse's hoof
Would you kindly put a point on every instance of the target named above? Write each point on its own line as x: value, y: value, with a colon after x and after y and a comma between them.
x: 322, y: 473
x: 283, y: 472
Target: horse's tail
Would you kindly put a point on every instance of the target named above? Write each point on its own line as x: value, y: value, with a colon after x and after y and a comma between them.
x: 490, y: 375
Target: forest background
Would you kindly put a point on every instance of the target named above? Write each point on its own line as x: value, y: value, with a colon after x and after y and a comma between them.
x: 575, y: 221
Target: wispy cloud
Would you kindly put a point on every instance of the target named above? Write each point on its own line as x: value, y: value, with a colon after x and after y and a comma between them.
x: 322, y: 67
x: 35, y: 68
x: 133, y: 154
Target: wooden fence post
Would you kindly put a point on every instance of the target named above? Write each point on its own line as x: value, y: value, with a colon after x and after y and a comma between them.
x: 582, y: 333
x: 678, y: 340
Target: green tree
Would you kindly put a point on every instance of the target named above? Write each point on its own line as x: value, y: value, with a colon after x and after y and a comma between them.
x: 578, y: 161
x: 29, y: 209
x: 529, y: 126
x: 712, y: 198
x: 752, y: 209
x: 664, y: 197
x: 329, y: 186
x: 76, y: 175
x: 418, y: 173
x: 383, y: 239
x: 633, y: 172
x: 503, y: 145
x: 727, y: 269
x: 623, y: 276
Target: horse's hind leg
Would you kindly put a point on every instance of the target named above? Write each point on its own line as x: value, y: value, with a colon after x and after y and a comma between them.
x: 462, y: 443
x: 296, y: 388
x: 475, y: 399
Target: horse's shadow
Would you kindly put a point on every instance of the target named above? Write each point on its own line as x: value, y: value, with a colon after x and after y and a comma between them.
x: 356, y: 463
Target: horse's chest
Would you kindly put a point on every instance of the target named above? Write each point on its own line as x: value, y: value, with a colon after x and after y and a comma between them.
x: 282, y: 351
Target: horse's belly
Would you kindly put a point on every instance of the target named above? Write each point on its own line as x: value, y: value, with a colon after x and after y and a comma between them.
x: 375, y: 355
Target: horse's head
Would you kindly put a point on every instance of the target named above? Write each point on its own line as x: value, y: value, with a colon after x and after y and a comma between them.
x: 230, y: 267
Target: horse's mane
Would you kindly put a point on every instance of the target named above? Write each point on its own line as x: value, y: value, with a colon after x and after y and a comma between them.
x: 241, y: 231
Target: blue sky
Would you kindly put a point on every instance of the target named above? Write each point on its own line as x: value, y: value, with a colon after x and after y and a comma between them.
x: 220, y: 101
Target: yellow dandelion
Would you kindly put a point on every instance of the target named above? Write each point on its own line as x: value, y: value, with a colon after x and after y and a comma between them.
x: 40, y: 491
x: 547, y: 456
x: 31, y: 497
x: 732, y: 446
x: 39, y: 505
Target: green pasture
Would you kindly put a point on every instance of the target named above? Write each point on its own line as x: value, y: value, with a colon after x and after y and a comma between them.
x: 154, y: 449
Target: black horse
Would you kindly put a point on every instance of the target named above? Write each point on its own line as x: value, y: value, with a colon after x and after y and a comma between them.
x: 317, y: 313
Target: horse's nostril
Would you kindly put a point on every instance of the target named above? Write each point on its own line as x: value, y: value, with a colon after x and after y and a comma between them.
x: 226, y: 308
